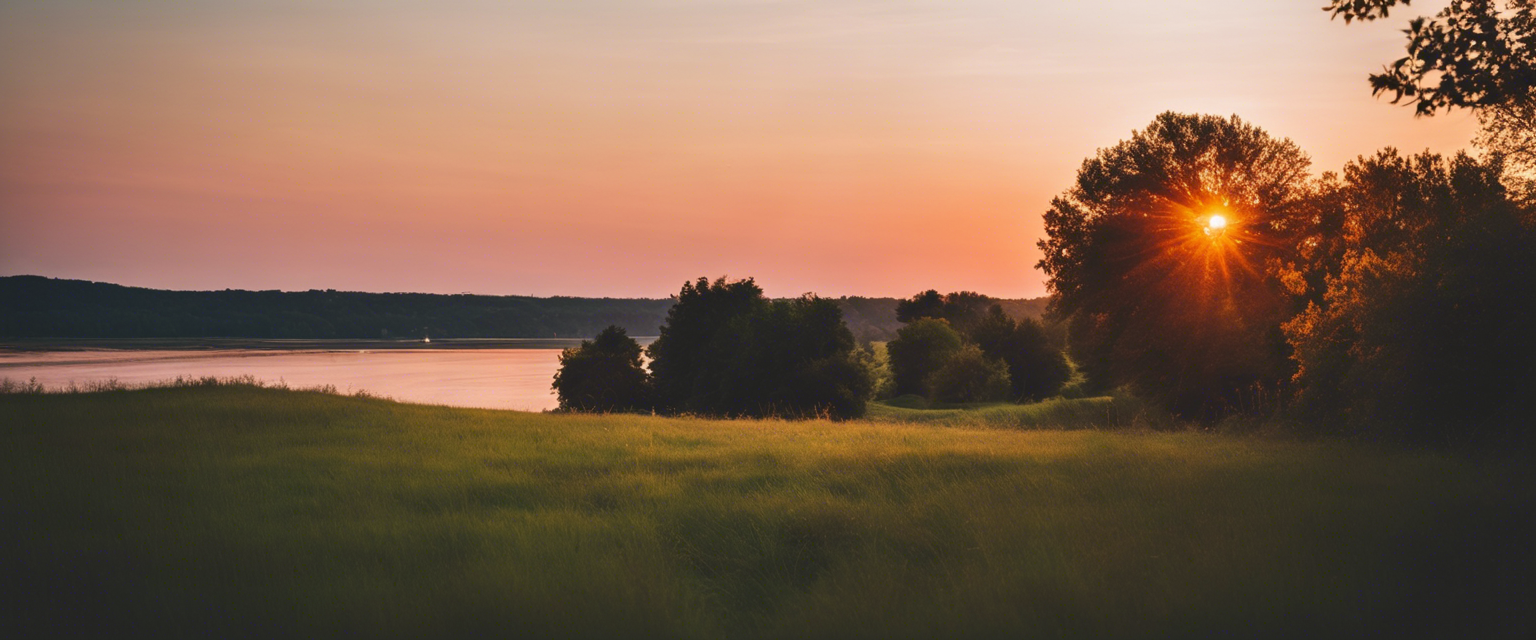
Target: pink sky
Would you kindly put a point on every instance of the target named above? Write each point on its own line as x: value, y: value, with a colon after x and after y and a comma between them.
x: 619, y: 148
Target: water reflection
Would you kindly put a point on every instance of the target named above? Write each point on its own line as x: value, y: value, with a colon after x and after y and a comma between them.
x: 485, y: 378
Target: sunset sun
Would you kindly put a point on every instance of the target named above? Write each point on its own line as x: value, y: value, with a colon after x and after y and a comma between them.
x: 1216, y: 223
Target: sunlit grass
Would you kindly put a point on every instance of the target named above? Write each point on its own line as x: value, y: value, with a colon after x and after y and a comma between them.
x: 268, y: 511
x: 1105, y: 412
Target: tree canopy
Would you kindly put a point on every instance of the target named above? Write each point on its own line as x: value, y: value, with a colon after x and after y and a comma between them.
x: 784, y: 358
x: 603, y: 375
x: 962, y: 309
x: 1421, y: 322
x: 1473, y: 53
x: 968, y: 375
x: 726, y: 350
x: 1158, y: 258
x: 702, y: 310
x: 1509, y: 132
x: 919, y: 349
x: 1036, y: 367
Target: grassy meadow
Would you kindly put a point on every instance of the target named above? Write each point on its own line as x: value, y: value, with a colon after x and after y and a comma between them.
x: 235, y: 510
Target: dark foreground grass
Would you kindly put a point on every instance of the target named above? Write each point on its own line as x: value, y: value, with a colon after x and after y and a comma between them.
x: 235, y: 510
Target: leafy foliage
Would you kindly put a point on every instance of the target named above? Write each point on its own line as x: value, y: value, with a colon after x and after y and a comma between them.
x: 877, y: 363
x: 928, y: 304
x: 1422, y: 321
x: 963, y: 309
x: 968, y: 375
x: 1364, y: 10
x: 1034, y: 362
x: 1474, y: 53
x: 701, y: 311
x: 1152, y: 296
x: 1509, y: 132
x: 603, y: 375
x: 919, y: 349
x: 728, y: 351
x: 1036, y: 368
x: 785, y: 358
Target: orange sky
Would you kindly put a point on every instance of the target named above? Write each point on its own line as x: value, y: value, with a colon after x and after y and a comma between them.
x: 618, y: 148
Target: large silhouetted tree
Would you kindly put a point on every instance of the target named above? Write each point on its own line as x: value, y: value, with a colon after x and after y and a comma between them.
x: 1156, y: 295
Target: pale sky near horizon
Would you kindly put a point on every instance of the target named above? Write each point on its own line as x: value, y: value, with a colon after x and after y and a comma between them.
x: 612, y: 148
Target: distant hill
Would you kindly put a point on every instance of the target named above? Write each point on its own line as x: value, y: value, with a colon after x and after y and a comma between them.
x: 38, y: 307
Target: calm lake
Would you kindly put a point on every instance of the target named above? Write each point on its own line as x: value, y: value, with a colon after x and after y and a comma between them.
x: 491, y: 378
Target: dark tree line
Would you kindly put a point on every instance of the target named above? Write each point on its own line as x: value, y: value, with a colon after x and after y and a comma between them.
x: 1419, y: 280
x: 36, y: 307
x: 725, y: 350
x: 879, y: 319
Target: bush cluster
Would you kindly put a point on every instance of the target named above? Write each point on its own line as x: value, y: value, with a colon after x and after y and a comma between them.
x: 956, y: 349
x: 604, y: 375
x: 726, y: 351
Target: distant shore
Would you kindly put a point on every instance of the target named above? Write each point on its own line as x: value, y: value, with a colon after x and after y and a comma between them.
x: 201, y: 344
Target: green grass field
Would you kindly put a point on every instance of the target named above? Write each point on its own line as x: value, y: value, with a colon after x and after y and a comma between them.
x: 1108, y: 412
x: 235, y: 510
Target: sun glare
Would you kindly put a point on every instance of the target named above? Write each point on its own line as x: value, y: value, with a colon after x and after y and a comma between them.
x: 1217, y: 223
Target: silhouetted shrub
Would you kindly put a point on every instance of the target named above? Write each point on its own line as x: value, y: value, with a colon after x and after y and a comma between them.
x: 919, y: 349
x: 603, y: 375
x: 835, y: 387
x: 968, y: 375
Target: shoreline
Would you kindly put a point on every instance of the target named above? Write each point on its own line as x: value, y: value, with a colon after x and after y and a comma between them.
x: 265, y: 344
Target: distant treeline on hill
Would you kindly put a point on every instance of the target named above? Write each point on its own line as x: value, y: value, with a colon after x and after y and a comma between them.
x: 38, y: 307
